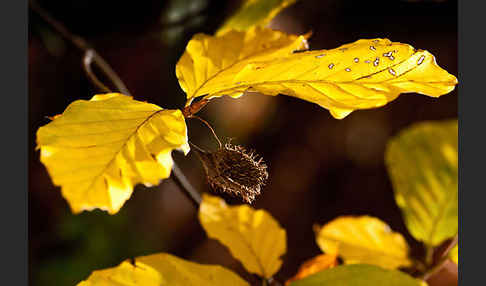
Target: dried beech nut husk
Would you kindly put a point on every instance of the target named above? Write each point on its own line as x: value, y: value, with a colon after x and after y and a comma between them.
x: 234, y: 170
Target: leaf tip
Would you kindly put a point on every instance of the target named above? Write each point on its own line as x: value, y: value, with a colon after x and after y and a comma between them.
x: 339, y: 113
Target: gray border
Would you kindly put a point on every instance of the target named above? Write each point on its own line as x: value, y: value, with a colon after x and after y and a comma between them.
x: 13, y: 72
x: 472, y: 102
x: 14, y: 86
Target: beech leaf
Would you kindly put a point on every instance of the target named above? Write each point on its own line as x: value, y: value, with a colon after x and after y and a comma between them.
x: 163, y: 270
x: 363, y: 239
x: 252, y: 236
x: 422, y: 164
x: 253, y: 13
x: 358, y: 275
x: 314, y: 265
x: 361, y: 75
x: 209, y: 59
x: 98, y: 149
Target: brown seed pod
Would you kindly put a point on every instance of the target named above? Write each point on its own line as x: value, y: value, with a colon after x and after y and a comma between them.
x: 234, y: 170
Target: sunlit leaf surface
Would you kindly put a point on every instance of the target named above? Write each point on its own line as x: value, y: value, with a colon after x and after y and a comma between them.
x: 252, y: 236
x: 363, y: 239
x: 361, y: 75
x: 98, y: 149
x: 160, y: 270
x: 253, y: 13
x: 358, y: 275
x: 210, y: 59
x: 422, y: 163
x: 314, y: 265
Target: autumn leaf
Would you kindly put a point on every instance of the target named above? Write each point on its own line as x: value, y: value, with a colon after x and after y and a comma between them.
x: 314, y: 265
x: 358, y: 275
x: 163, y: 269
x: 209, y: 58
x: 97, y: 150
x: 363, y: 239
x: 253, y: 13
x: 252, y: 236
x: 361, y: 75
x: 422, y: 163
x: 454, y: 254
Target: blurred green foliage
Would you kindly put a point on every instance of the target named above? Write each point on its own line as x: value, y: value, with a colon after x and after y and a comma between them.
x: 95, y: 240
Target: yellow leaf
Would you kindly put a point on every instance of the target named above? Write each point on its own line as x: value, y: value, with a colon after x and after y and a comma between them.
x: 314, y: 265
x: 421, y: 282
x: 361, y: 75
x: 359, y: 275
x: 253, y: 13
x: 163, y: 269
x: 365, y: 240
x: 97, y: 150
x: 252, y: 236
x: 210, y: 59
x: 422, y: 163
x: 454, y: 254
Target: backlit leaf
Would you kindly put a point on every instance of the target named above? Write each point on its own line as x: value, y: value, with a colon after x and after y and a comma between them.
x: 454, y: 254
x: 252, y: 236
x: 358, y: 275
x: 363, y: 239
x: 97, y: 150
x: 254, y: 13
x: 314, y: 265
x: 422, y: 163
x: 209, y: 59
x: 160, y: 270
x: 361, y: 75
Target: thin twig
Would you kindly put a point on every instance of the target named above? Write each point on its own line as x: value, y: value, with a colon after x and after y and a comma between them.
x: 87, y: 60
x: 434, y: 269
x: 198, y: 148
x: 184, y: 184
x: 77, y: 41
x: 451, y: 245
x: 194, y: 107
x: 210, y: 128
x: 442, y: 260
x: 91, y: 56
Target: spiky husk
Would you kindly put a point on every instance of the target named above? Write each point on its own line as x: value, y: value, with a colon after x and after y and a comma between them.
x: 234, y: 170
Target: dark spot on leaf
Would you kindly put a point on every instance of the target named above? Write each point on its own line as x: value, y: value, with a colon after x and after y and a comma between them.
x: 132, y: 261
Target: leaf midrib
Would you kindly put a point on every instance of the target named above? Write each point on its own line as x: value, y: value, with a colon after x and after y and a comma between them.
x: 249, y: 246
x: 354, y: 81
x: 442, y: 212
x: 121, y: 148
x: 193, y: 95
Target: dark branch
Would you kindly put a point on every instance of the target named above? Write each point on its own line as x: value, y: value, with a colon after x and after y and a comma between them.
x: 87, y: 61
x: 442, y: 259
x: 91, y: 56
x: 184, y: 184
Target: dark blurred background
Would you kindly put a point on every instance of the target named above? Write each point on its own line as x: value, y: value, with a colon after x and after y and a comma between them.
x: 320, y: 167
